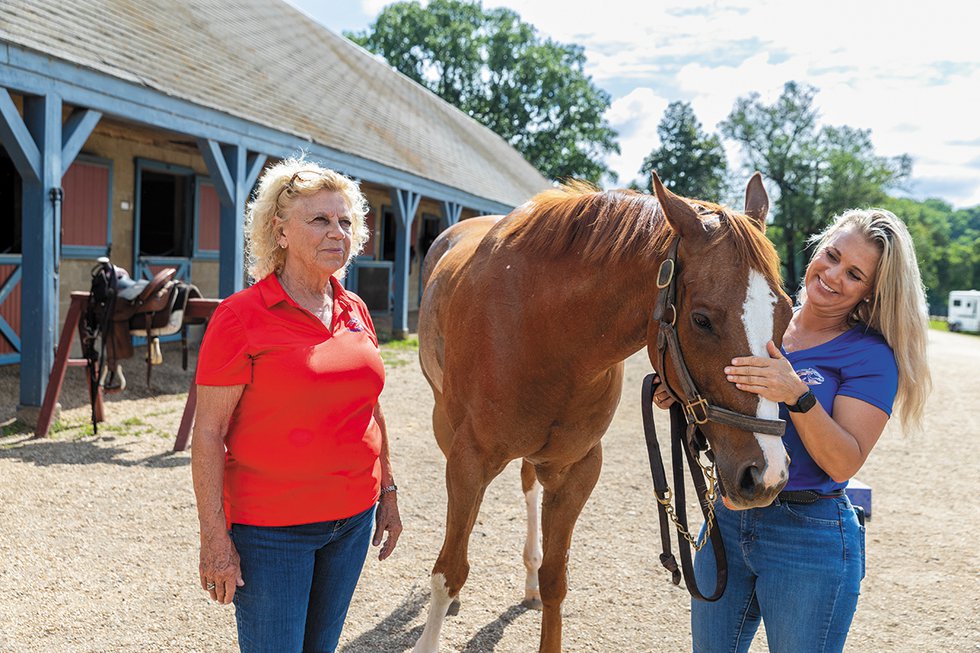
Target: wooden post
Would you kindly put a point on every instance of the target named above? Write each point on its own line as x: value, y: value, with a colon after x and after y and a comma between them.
x: 195, y: 308
x: 79, y: 301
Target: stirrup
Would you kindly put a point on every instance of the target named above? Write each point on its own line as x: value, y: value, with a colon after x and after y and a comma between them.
x: 112, y: 381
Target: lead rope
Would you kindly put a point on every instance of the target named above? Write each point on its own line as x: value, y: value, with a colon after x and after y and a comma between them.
x: 667, y: 514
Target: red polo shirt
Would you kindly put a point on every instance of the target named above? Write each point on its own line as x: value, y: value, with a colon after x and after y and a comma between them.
x: 303, y: 444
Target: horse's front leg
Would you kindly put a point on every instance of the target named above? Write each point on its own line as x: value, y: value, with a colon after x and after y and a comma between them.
x: 532, y: 544
x: 565, y: 492
x: 468, y: 473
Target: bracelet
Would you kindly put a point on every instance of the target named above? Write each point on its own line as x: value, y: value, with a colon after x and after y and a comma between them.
x: 386, y: 490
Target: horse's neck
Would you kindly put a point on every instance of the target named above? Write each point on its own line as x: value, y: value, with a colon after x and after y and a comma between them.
x: 601, y: 314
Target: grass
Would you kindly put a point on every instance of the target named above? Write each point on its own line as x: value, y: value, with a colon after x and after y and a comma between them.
x: 941, y: 325
x: 396, y: 353
x: 14, y: 427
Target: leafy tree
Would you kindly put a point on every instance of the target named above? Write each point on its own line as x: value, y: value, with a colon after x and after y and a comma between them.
x: 690, y: 162
x: 817, y: 172
x: 780, y: 142
x: 530, y: 90
x: 947, y: 245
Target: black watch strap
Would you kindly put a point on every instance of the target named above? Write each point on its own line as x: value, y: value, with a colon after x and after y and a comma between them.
x: 803, y: 404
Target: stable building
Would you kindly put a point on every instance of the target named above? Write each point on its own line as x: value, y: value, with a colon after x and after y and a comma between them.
x: 137, y: 130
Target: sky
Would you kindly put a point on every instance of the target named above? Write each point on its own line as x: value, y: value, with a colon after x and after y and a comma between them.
x: 908, y: 71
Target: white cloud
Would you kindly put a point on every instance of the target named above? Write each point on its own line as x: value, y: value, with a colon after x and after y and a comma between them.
x: 635, y: 117
x: 907, y: 70
x: 373, y: 7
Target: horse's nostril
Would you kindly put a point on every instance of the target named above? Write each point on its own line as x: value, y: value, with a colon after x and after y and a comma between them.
x: 750, y: 480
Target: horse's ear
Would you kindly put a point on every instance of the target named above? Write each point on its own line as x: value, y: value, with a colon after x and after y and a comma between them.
x: 679, y: 214
x: 757, y: 201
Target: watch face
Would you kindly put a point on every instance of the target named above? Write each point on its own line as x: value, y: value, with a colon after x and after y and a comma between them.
x: 804, y: 403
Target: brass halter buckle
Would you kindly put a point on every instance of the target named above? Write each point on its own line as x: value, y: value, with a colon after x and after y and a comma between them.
x: 666, y: 273
x: 696, y: 410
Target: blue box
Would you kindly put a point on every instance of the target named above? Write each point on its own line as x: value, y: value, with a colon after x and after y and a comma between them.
x: 860, y: 495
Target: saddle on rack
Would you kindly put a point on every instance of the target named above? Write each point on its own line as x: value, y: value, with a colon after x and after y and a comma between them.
x: 120, y: 308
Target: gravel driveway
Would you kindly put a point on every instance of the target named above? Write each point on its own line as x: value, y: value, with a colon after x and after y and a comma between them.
x: 98, y: 534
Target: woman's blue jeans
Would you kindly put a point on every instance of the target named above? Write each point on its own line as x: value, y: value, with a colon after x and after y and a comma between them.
x: 796, y: 567
x: 298, y: 583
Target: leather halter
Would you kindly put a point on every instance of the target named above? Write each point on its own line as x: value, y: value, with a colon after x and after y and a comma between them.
x: 696, y: 411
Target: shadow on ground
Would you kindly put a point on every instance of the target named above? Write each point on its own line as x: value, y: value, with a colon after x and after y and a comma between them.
x: 90, y: 451
x: 393, y: 632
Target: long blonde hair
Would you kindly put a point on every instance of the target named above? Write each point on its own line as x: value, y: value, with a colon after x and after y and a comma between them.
x: 277, y: 190
x: 897, y: 308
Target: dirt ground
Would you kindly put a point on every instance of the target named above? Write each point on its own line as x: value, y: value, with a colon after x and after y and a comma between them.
x: 98, y: 534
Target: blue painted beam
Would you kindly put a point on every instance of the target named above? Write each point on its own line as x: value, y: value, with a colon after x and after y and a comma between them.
x: 17, y: 141
x: 450, y: 213
x: 254, y: 163
x: 30, y: 72
x: 74, y: 133
x: 41, y: 217
x: 231, y: 239
x: 406, y: 204
x: 218, y: 169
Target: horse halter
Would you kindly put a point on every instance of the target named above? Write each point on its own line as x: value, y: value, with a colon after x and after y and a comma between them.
x: 697, y: 409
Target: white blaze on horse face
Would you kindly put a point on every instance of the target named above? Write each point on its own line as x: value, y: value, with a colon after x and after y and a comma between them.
x: 429, y: 641
x: 757, y: 316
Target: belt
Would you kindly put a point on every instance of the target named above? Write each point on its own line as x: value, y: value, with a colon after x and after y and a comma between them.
x: 806, y: 496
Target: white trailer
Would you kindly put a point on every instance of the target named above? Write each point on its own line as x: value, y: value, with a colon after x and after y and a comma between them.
x: 964, y: 310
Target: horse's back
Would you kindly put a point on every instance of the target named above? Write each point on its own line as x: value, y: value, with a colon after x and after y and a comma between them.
x: 449, y: 253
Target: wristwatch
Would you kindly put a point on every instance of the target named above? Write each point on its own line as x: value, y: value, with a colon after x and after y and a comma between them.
x: 803, y: 404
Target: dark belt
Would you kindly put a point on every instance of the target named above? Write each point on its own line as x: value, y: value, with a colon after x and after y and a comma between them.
x: 807, y: 496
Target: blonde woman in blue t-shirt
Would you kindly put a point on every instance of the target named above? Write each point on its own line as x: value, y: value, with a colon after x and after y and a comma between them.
x: 854, y: 349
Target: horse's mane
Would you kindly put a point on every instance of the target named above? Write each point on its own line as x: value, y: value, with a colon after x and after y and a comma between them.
x: 615, y: 225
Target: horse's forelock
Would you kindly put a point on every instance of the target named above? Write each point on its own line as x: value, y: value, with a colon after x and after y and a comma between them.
x: 752, y: 248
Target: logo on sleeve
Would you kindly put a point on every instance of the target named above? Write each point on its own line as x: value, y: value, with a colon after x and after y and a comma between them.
x: 810, y: 376
x: 354, y: 325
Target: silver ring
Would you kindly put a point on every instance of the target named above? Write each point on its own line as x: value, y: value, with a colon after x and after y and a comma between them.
x: 211, y: 586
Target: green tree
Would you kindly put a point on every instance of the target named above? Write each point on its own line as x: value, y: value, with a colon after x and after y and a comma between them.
x: 530, y: 90
x: 688, y: 161
x: 780, y: 141
x: 817, y: 172
x: 852, y: 175
x: 947, y: 246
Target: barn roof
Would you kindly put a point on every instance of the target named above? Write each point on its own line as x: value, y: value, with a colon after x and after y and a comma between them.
x: 268, y: 63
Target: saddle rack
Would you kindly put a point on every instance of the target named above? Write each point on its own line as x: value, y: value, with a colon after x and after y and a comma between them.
x: 200, y: 308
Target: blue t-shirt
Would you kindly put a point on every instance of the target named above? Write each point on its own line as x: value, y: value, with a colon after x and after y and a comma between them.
x: 858, y: 363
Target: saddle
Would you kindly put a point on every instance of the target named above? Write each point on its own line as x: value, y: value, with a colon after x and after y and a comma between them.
x: 120, y: 308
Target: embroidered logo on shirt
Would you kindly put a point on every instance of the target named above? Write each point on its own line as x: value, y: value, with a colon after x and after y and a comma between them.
x: 810, y: 376
x: 354, y: 324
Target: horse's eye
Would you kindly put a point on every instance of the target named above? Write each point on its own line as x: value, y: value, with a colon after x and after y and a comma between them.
x: 701, y: 321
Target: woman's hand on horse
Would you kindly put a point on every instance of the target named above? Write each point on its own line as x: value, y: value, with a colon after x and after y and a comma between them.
x: 661, y: 398
x: 772, y: 378
x: 219, y: 568
x: 387, y: 519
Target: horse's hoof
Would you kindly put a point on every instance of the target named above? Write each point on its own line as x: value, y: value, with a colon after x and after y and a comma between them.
x: 453, y: 608
x: 533, y: 603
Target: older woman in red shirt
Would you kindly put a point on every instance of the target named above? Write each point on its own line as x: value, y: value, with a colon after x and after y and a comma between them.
x: 290, y: 451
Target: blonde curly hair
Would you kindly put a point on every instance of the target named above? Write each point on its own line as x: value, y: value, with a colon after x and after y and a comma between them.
x: 278, y: 187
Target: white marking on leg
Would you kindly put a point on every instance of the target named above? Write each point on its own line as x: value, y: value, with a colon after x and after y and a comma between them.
x: 429, y: 641
x: 757, y: 316
x: 533, y: 553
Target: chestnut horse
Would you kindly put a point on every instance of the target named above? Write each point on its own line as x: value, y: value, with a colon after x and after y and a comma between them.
x: 524, y: 326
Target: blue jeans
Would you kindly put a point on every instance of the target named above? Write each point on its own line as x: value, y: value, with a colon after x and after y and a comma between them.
x: 796, y: 567
x: 298, y: 583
